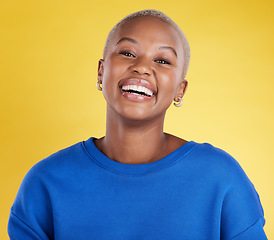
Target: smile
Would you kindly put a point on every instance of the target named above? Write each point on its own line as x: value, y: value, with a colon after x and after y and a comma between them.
x: 138, y: 90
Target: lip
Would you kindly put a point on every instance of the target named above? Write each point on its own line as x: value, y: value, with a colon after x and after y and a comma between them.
x: 138, y: 82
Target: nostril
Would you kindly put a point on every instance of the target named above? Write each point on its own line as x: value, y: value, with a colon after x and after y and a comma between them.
x: 141, y: 72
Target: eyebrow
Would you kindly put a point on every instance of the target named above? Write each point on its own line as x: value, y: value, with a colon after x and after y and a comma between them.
x: 170, y: 48
x: 126, y: 39
x: 134, y: 41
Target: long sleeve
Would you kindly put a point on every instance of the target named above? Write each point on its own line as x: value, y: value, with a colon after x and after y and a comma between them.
x: 31, y: 215
x: 242, y: 215
x: 254, y: 232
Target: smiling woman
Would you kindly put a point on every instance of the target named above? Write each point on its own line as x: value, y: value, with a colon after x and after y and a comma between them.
x: 144, y: 53
x: 138, y: 182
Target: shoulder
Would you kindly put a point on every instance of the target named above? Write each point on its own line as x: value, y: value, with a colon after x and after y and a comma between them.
x: 215, y: 158
x: 46, y: 175
x: 219, y: 168
x: 31, y: 211
x: 64, y: 158
x: 208, y: 151
x: 57, y: 167
x: 240, y: 195
x: 204, y: 153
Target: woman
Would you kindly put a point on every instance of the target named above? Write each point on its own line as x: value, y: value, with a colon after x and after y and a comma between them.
x: 138, y: 182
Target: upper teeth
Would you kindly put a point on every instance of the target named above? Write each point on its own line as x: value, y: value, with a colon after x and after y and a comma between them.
x: 138, y: 89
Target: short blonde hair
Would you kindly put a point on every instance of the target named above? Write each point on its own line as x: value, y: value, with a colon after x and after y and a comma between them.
x: 163, y: 17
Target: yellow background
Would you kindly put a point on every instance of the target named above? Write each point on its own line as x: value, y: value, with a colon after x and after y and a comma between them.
x: 48, y: 58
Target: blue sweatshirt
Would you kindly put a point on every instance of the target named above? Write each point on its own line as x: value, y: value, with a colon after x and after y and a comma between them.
x: 197, y: 192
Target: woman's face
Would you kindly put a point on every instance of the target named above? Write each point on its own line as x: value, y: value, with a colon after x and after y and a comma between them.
x: 142, y: 70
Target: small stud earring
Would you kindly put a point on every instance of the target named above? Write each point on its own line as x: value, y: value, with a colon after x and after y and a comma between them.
x: 98, y: 85
x: 180, y: 102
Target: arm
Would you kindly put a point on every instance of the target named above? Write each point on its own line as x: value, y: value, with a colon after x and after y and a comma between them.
x: 242, y: 214
x: 31, y: 214
x: 254, y: 232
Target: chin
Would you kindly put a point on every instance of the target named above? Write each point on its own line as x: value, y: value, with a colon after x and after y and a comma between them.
x: 131, y: 111
x: 136, y: 114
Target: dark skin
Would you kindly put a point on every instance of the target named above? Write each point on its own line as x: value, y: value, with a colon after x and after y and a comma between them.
x: 148, y: 49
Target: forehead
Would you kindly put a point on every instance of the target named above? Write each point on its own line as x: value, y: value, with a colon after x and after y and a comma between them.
x: 149, y: 27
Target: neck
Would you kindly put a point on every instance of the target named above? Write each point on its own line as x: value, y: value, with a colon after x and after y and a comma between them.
x: 133, y: 141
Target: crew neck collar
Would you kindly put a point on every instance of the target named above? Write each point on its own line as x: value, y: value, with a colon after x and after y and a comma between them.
x: 135, y: 169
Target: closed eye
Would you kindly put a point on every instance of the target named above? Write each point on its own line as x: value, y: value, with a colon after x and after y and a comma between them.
x: 127, y: 54
x: 162, y: 61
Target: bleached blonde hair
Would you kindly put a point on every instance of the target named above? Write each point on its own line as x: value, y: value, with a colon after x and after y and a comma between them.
x: 163, y: 17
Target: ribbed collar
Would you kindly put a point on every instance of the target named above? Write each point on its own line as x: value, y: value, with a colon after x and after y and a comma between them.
x: 135, y: 169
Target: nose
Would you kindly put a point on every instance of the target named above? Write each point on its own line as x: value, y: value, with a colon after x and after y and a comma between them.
x: 142, y: 66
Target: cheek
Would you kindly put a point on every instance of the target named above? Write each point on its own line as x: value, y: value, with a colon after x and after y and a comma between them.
x: 109, y: 72
x: 113, y: 71
x: 112, y: 75
x: 169, y: 82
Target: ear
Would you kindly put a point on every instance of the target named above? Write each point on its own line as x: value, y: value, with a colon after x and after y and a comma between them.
x: 181, y: 89
x: 100, y: 69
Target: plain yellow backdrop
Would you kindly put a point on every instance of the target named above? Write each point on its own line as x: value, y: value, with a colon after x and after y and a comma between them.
x: 48, y: 68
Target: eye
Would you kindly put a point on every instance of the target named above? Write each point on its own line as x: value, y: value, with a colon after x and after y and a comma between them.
x: 162, y: 61
x: 127, y: 54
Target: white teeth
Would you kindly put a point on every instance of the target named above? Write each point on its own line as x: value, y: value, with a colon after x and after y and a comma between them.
x: 138, y: 89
